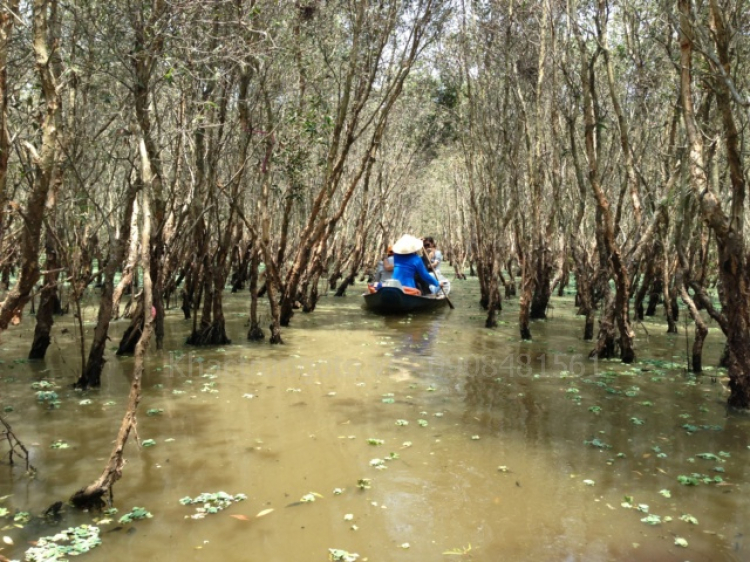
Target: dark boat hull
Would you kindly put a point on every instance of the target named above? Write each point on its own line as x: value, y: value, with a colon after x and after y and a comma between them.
x: 392, y: 300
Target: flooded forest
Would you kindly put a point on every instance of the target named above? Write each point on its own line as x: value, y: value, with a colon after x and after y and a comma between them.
x: 196, y: 195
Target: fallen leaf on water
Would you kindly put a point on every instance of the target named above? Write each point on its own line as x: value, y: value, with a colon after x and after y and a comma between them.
x: 264, y: 512
x: 240, y: 517
x: 7, y: 540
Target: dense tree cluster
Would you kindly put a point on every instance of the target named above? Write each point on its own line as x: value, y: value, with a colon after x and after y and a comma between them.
x: 604, y: 141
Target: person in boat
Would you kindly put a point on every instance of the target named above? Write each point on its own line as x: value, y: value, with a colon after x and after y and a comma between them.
x: 407, y: 264
x: 384, y: 271
x: 434, y: 255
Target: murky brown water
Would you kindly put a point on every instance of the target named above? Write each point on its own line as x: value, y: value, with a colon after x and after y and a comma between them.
x: 495, y: 471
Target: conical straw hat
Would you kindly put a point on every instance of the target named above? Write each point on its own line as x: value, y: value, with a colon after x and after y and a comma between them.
x: 407, y: 244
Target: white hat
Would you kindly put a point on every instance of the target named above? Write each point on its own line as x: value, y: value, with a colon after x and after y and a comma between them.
x: 407, y: 244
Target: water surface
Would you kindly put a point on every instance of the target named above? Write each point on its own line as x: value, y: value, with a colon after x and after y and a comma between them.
x: 513, y: 450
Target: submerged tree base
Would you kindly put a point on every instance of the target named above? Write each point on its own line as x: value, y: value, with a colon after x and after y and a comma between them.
x: 90, y: 498
x: 130, y: 338
x: 39, y: 346
x: 739, y: 390
x: 255, y: 333
x: 92, y: 374
x: 213, y: 334
x: 275, y: 335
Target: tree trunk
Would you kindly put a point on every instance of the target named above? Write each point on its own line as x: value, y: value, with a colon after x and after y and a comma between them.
x: 640, y: 295
x: 668, y: 308
x: 543, y: 290
x: 524, y: 305
x: 134, y: 331
x: 255, y: 333
x: 212, y: 329
x: 701, y: 331
x: 44, y: 161
x: 605, y: 346
x: 6, y: 29
x: 126, y: 281
x: 92, y: 369
x: 734, y: 269
x: 605, y: 224
x: 90, y: 497
x: 49, y: 301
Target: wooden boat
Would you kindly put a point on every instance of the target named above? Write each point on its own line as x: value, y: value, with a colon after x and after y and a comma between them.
x: 390, y: 298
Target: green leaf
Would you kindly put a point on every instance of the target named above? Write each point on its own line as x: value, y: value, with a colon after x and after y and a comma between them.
x: 688, y: 480
x: 598, y: 443
x: 708, y: 457
x: 338, y: 555
x: 135, y: 514
x: 22, y: 517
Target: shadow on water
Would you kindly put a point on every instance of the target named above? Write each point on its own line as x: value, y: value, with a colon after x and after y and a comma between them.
x: 474, y: 445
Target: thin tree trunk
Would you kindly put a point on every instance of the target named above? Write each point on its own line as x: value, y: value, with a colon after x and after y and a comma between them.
x: 49, y: 301
x: 128, y: 271
x: 90, y: 497
x: 255, y: 333
x: 701, y: 330
x: 92, y: 369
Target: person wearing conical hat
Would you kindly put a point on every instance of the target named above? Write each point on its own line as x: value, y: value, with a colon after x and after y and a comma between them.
x: 407, y: 263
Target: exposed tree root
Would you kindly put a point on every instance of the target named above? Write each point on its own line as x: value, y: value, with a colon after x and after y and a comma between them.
x: 15, y: 447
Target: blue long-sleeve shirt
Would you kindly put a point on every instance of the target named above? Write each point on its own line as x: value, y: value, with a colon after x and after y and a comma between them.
x: 407, y: 266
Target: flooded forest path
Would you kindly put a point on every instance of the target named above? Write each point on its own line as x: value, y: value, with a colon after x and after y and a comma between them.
x: 423, y: 437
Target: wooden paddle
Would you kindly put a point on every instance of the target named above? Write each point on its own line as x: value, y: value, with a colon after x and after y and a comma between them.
x: 432, y: 269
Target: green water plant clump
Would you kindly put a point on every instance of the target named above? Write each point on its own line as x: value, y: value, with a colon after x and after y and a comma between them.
x: 135, y: 514
x: 211, y: 503
x: 70, y: 542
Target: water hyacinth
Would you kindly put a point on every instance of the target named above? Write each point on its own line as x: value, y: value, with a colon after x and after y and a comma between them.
x: 70, y: 542
x: 211, y: 503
